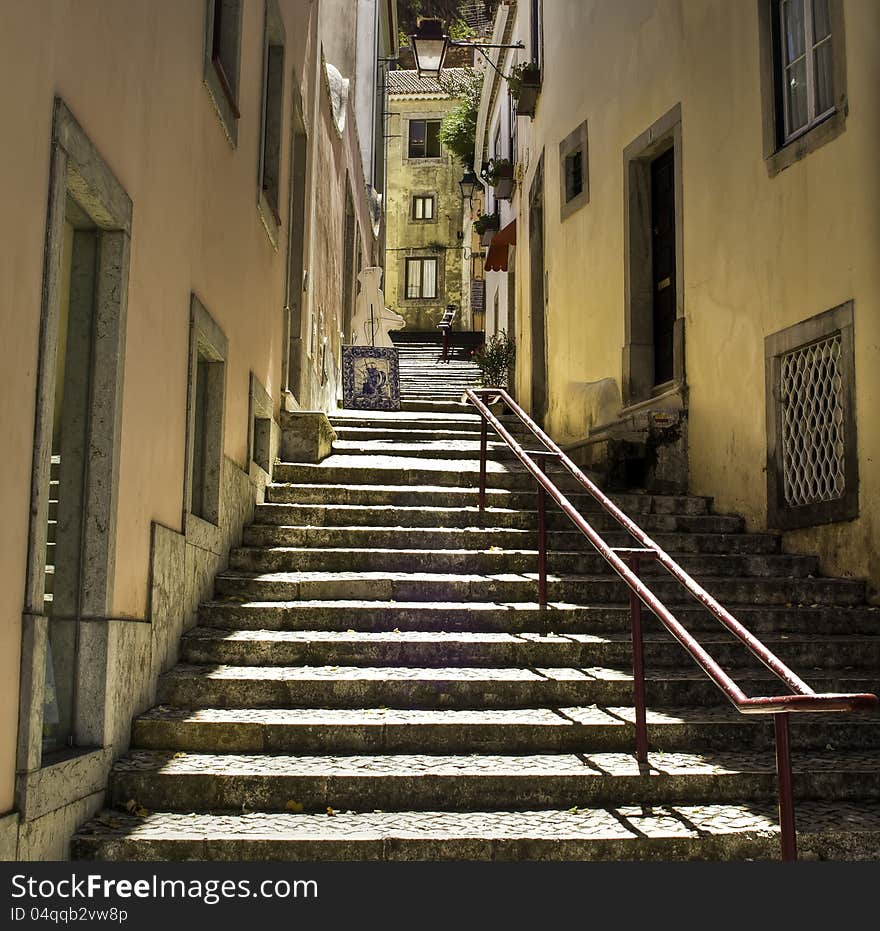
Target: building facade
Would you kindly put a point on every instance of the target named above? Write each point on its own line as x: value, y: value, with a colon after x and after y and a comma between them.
x: 425, y: 253
x: 696, y: 285
x: 213, y: 173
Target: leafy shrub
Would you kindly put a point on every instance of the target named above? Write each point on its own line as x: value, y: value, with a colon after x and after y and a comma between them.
x: 494, y: 358
x: 458, y: 131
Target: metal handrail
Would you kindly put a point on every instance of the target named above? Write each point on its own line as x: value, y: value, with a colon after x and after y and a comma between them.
x: 625, y: 562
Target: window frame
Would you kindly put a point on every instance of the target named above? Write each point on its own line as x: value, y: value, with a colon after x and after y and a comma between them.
x: 574, y: 142
x: 779, y: 152
x: 271, y: 121
x: 424, y: 199
x: 780, y: 515
x: 222, y: 80
x: 409, y: 262
x: 409, y: 141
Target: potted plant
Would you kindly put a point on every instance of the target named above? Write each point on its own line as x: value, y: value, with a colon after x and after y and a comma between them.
x: 486, y: 225
x: 499, y: 173
x: 495, y: 359
x: 525, y: 85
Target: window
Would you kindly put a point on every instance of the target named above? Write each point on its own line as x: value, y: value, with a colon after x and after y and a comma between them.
x: 423, y: 207
x: 205, y: 407
x: 260, y: 425
x: 574, y: 170
x: 803, y: 77
x: 805, y: 52
x: 270, y: 141
x: 812, y: 464
x: 424, y: 138
x: 222, y: 58
x: 421, y: 279
x: 537, y: 30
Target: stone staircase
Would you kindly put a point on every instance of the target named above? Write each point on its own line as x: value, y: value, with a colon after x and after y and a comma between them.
x: 374, y: 679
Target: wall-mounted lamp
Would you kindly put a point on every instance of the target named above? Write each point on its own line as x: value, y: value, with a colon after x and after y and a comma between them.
x: 468, y: 185
x: 430, y: 45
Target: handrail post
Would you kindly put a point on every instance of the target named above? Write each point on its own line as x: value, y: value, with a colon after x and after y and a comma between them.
x: 638, y: 662
x: 787, y: 825
x: 483, y: 454
x: 542, y: 537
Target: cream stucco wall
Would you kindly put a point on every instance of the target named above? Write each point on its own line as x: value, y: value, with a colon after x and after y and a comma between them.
x: 760, y: 253
x: 406, y: 177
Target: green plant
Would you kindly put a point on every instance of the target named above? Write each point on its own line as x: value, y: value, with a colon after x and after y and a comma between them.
x: 497, y: 169
x: 515, y: 78
x: 485, y: 221
x: 494, y: 359
x: 458, y: 131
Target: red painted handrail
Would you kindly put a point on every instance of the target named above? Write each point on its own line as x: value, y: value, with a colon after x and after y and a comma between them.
x: 804, y: 698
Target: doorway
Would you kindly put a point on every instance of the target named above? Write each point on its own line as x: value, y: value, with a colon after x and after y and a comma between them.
x: 653, y: 351
x: 537, y: 303
x: 663, y: 263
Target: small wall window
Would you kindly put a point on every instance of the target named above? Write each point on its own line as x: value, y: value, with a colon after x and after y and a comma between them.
x: 812, y: 463
x: 273, y: 99
x: 423, y: 207
x: 260, y: 425
x: 803, y: 77
x: 222, y: 61
x: 574, y: 171
x: 421, y: 278
x: 205, y: 409
x: 424, y: 139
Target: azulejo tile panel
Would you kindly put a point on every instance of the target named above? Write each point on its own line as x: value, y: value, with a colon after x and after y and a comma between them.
x: 371, y: 378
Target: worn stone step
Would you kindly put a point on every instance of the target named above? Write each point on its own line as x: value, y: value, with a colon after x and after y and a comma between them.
x: 424, y: 649
x: 635, y: 505
x: 465, y: 516
x: 495, y: 560
x: 427, y: 586
x: 435, y: 407
x: 828, y: 831
x: 525, y: 617
x: 504, y: 730
x: 200, y: 686
x: 401, y: 470
x: 447, y: 449
x: 442, y: 538
x: 192, y: 781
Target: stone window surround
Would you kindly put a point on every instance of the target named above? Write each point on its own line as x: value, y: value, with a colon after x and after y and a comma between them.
x: 778, y: 155
x: 576, y: 140
x: 274, y: 36
x: 259, y: 438
x: 77, y: 171
x: 206, y: 339
x: 422, y: 253
x: 779, y: 515
x: 220, y: 88
x: 638, y: 352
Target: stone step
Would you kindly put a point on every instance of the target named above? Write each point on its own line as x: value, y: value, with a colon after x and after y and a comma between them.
x: 412, y: 434
x: 427, y: 586
x: 443, y: 538
x: 524, y: 617
x: 195, y: 781
x: 435, y: 407
x: 403, y: 470
x: 199, y: 686
x: 378, y: 514
x: 446, y: 449
x: 496, y: 560
x: 737, y: 831
x: 457, y: 497
x: 442, y: 649
x: 513, y: 730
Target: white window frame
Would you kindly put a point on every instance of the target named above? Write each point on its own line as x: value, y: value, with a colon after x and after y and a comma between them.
x: 419, y: 262
x: 809, y: 56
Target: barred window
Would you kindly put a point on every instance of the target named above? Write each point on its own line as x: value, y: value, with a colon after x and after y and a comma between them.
x: 812, y: 464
